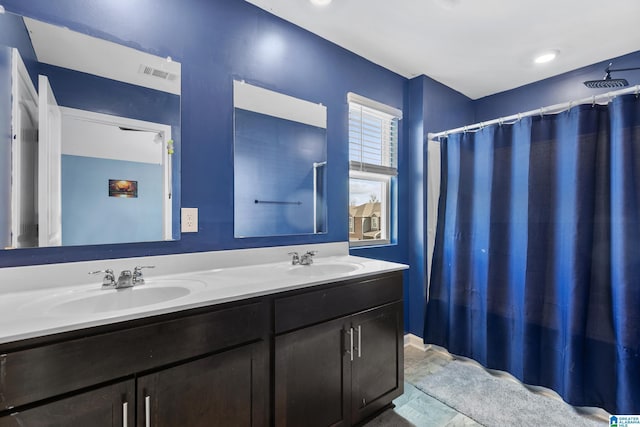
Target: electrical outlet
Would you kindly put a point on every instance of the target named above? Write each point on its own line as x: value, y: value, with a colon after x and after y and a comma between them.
x: 189, y: 223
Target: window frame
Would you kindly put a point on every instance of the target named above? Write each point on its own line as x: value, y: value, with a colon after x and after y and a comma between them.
x: 385, y: 171
x: 384, y: 221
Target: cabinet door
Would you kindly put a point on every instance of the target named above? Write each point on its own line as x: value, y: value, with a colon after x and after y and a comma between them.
x: 111, y: 406
x: 377, y: 370
x: 225, y: 389
x: 312, y: 370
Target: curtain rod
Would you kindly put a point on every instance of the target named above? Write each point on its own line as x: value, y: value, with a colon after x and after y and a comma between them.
x: 553, y: 109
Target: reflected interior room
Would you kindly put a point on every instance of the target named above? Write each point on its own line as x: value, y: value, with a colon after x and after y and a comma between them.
x: 319, y: 213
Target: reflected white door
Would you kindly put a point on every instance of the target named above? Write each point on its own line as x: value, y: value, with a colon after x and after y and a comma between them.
x: 49, y: 166
x: 24, y: 157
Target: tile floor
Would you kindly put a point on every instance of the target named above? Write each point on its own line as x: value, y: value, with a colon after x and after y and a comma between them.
x: 416, y: 408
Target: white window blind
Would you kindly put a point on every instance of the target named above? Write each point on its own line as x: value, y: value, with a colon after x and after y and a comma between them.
x: 373, y: 136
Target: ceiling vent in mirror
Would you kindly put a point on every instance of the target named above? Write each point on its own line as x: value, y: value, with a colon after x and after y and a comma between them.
x: 155, y: 72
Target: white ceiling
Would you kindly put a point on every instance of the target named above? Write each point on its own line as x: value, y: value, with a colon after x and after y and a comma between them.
x: 477, y: 47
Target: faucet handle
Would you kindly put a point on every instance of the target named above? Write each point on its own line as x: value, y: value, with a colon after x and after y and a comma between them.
x: 109, y: 280
x: 296, y: 258
x: 137, y: 273
x: 307, y: 259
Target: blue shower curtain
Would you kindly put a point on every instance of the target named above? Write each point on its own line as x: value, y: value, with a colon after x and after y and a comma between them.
x: 536, y: 267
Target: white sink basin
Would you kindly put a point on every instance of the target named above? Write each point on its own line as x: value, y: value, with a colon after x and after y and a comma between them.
x: 324, y: 269
x: 106, y: 300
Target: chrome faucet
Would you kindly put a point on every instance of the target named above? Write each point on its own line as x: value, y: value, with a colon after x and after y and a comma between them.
x: 127, y: 279
x: 307, y: 259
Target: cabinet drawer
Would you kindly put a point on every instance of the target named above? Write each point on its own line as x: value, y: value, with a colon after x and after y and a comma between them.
x: 30, y: 375
x: 105, y: 407
x: 333, y: 301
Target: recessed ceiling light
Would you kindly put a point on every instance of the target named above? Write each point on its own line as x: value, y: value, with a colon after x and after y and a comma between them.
x: 547, y: 56
x: 320, y: 2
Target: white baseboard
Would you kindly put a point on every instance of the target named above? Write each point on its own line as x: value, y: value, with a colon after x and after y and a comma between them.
x: 414, y: 341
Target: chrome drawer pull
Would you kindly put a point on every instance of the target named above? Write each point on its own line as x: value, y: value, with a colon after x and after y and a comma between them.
x: 350, y: 332
x: 147, y: 411
x: 125, y: 421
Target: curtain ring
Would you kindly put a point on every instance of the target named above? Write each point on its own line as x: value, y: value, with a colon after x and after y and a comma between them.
x: 637, y: 91
x: 465, y: 129
x: 593, y: 103
x: 541, y: 112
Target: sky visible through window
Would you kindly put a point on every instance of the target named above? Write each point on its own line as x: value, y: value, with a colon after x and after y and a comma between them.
x: 361, y: 191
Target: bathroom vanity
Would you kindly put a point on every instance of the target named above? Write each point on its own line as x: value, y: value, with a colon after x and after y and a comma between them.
x: 301, y: 345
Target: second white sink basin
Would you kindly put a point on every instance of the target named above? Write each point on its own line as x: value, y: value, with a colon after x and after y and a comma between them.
x: 106, y: 300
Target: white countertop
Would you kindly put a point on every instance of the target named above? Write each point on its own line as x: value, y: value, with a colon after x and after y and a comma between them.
x: 36, y: 312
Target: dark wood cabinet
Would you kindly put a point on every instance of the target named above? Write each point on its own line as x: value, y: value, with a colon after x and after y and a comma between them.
x: 203, y: 367
x: 378, y: 367
x: 340, y: 371
x: 312, y: 376
x: 110, y: 406
x: 218, y: 390
x: 328, y: 355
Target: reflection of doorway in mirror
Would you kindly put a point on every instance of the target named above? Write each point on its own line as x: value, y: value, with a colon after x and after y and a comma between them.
x: 97, y: 148
x: 49, y: 152
x: 23, y: 232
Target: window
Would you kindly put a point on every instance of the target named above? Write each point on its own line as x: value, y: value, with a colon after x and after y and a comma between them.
x: 373, y: 153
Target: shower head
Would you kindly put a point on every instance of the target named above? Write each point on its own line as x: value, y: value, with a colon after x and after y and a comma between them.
x: 607, y: 81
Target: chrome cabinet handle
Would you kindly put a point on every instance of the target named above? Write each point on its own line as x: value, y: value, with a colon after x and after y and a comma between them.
x: 147, y: 411
x: 351, y: 344
x: 359, y: 341
x: 125, y: 421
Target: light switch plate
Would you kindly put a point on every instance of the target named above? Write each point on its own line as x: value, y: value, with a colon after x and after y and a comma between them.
x: 189, y: 220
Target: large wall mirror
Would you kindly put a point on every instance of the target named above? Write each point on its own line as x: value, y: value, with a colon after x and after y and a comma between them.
x: 90, y: 134
x: 280, y: 163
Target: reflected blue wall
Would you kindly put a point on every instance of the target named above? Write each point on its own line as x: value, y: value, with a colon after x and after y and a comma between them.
x: 93, y: 93
x: 273, y: 160
x: 91, y: 216
x: 13, y: 33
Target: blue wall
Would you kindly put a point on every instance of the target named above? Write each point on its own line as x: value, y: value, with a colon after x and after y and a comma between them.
x: 273, y: 161
x: 91, y: 216
x: 5, y: 147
